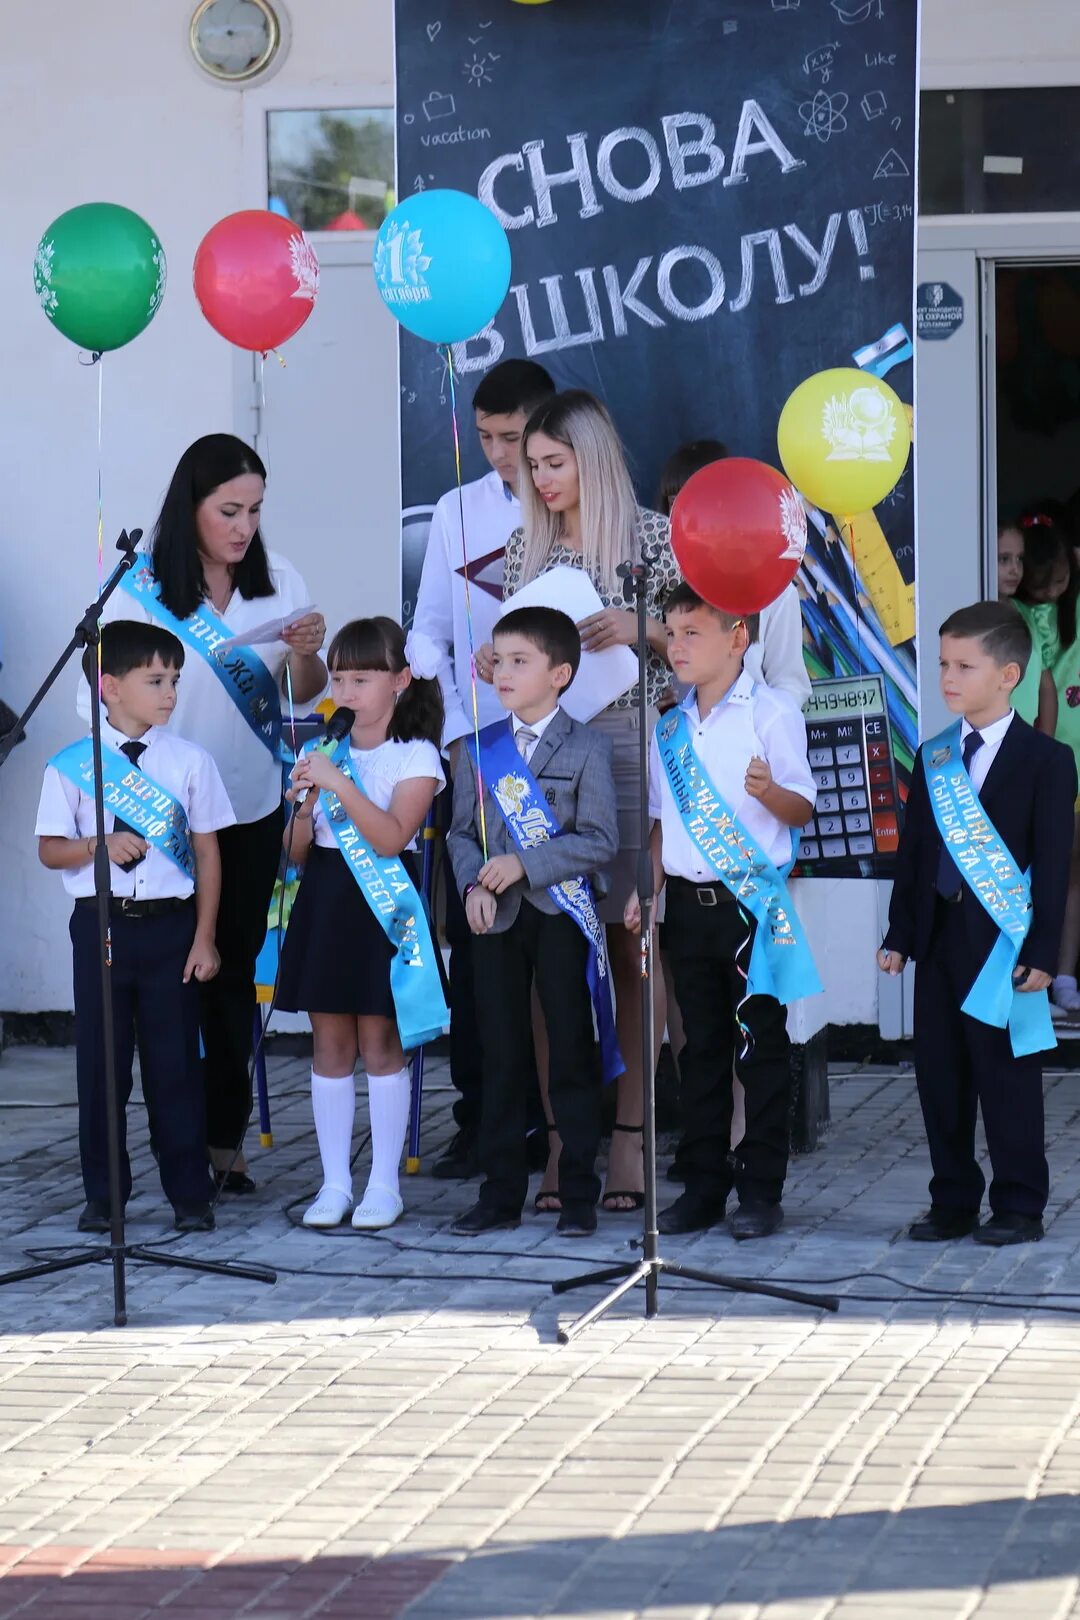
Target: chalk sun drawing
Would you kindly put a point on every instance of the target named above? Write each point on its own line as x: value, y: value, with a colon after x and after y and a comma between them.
x: 824, y: 115
x: 858, y: 426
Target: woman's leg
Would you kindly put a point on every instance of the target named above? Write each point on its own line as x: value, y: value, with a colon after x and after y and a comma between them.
x: 250, y: 855
x: 333, y: 1103
x: 389, y: 1092
x: 626, y: 1172
x: 1064, y: 989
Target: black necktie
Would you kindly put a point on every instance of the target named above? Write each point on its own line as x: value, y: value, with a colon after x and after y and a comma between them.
x: 134, y: 751
x: 949, y: 881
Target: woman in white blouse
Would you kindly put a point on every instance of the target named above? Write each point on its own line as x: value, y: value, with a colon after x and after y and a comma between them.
x: 211, y: 578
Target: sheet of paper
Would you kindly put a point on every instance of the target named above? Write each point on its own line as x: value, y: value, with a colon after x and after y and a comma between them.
x: 603, y: 676
x: 272, y: 630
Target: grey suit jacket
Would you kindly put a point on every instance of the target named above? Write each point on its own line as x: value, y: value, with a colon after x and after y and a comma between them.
x: 572, y: 767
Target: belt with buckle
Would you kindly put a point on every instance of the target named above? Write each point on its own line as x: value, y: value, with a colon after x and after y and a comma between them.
x: 706, y: 894
x: 122, y: 905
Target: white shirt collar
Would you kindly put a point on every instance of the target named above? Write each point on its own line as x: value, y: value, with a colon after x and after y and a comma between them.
x: 537, y: 726
x: 740, y: 692
x: 116, y: 739
x: 991, y: 734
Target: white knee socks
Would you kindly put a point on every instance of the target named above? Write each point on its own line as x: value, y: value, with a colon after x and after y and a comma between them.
x: 333, y: 1102
x: 388, y: 1102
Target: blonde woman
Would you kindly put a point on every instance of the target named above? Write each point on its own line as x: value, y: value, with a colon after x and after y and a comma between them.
x: 579, y: 509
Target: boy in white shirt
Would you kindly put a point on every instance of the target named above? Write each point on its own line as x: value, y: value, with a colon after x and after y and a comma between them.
x: 164, y: 804
x: 438, y: 645
x: 738, y: 748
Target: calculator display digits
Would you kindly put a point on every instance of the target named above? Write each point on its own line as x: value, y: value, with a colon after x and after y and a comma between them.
x: 856, y: 814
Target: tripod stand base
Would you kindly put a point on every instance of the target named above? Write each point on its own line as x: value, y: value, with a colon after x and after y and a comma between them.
x: 117, y: 1254
x: 649, y: 1271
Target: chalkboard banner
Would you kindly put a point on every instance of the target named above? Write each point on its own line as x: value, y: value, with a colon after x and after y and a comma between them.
x: 707, y: 201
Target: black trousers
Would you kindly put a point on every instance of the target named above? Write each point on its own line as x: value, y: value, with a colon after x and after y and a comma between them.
x: 552, y: 952
x: 250, y: 857
x: 961, y: 1065
x: 702, y: 942
x: 151, y: 1003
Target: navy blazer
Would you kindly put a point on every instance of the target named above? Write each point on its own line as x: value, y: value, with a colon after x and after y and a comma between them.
x: 1029, y: 795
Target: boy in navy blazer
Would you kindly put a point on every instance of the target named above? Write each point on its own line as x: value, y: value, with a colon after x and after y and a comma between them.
x: 1026, y: 784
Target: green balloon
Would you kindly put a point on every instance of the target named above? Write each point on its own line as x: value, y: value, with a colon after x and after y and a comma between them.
x: 99, y: 274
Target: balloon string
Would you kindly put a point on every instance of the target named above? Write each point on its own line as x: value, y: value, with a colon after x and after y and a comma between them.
x: 847, y: 534
x: 292, y: 706
x: 260, y: 396
x: 468, y: 605
x: 98, y: 359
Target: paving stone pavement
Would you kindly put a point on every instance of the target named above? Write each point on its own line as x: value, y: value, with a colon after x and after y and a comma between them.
x: 392, y: 1430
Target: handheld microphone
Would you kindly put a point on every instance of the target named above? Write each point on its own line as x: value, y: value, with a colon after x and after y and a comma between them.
x: 338, y: 727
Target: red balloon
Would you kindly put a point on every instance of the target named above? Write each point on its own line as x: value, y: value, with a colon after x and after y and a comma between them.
x: 256, y: 279
x: 738, y: 531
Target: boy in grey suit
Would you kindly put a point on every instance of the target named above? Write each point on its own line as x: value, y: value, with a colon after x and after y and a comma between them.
x: 522, y: 934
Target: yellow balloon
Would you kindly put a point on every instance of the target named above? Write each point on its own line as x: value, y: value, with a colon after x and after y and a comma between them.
x: 844, y: 438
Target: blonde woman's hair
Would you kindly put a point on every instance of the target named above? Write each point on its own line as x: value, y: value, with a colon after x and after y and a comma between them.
x: 609, y: 509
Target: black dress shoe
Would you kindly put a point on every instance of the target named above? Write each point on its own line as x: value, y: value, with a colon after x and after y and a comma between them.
x: 459, y: 1162
x: 942, y: 1225
x: 752, y: 1220
x: 234, y: 1181
x: 196, y: 1218
x: 484, y: 1218
x: 692, y: 1212
x: 1001, y: 1230
x: 577, y: 1218
x: 95, y: 1217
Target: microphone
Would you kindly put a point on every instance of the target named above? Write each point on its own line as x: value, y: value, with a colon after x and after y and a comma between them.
x: 338, y: 727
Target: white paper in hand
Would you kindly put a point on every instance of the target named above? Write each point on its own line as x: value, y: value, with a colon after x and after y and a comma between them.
x: 272, y: 630
x: 603, y: 676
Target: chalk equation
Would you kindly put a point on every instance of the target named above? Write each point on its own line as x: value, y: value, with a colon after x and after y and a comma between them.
x: 821, y: 61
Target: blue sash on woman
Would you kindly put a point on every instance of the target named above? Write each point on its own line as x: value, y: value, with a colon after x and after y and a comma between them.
x: 780, y: 963
x: 134, y: 797
x: 241, y: 671
x: 1002, y: 890
x: 529, y: 822
x: 422, y: 1014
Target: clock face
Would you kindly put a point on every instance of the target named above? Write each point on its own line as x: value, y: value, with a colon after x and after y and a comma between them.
x: 234, y: 39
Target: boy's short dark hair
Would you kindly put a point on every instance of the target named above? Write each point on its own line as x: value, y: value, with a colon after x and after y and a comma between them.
x: 128, y: 644
x: 512, y: 385
x: 684, y: 598
x: 553, y: 632
x: 997, y: 627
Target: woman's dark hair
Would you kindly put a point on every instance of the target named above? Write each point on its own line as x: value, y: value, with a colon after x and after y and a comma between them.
x: 379, y: 643
x: 1048, y: 544
x: 203, y: 467
x: 682, y: 464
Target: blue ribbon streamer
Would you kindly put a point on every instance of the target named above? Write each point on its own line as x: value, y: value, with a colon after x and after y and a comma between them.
x: 529, y: 822
x: 1003, y: 891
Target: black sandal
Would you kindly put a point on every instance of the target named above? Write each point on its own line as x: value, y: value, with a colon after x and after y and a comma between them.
x: 637, y: 1198
x: 233, y: 1181
x: 552, y: 1204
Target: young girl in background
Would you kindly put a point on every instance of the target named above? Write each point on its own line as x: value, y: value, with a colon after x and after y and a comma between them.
x: 1047, y: 598
x: 1036, y: 694
x: 337, y: 957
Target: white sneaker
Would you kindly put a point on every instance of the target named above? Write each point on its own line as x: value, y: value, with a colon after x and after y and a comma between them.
x: 329, y: 1209
x: 380, y: 1206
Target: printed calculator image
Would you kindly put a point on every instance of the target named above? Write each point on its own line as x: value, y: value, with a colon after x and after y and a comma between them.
x: 856, y: 819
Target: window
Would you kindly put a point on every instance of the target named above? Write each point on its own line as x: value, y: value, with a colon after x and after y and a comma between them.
x: 999, y: 151
x: 331, y: 170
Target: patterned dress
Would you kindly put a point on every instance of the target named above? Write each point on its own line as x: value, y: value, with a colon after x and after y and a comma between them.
x: 663, y: 578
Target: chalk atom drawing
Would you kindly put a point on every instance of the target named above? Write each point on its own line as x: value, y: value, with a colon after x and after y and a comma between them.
x: 824, y: 116
x: 892, y: 167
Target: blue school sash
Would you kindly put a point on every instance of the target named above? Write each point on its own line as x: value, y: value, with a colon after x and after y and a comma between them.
x: 421, y: 1012
x: 133, y: 797
x: 780, y: 963
x: 1002, y: 890
x: 529, y: 822
x: 240, y: 671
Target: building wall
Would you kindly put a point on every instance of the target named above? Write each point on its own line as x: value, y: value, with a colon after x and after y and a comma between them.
x: 119, y: 112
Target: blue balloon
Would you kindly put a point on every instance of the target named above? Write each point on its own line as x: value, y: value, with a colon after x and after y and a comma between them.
x: 276, y: 205
x: 442, y: 265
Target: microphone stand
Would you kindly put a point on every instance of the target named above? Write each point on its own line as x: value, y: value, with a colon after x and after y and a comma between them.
x: 118, y: 1251
x: 648, y: 1270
